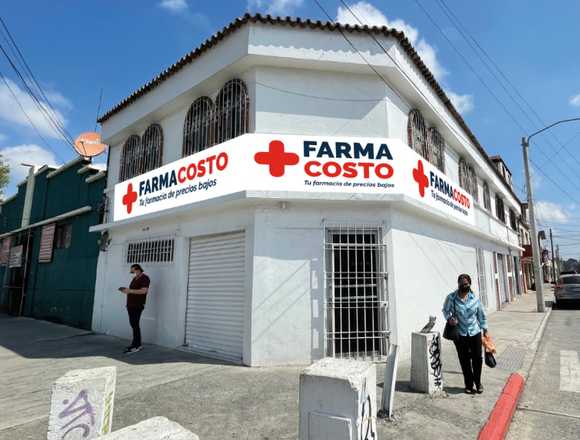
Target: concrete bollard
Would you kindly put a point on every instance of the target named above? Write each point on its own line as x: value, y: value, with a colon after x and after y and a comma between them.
x: 426, y: 365
x: 338, y: 401
x: 156, y: 428
x: 81, y: 406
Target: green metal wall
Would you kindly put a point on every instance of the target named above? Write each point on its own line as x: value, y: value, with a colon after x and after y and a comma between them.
x: 11, y: 216
x: 63, y: 290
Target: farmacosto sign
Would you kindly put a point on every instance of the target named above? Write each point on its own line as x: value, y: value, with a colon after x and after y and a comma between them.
x: 311, y: 164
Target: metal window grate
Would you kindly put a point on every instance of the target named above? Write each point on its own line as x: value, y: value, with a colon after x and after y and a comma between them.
x: 357, y: 304
x: 151, y: 251
x: 232, y: 106
x: 197, y: 129
x: 486, y: 197
x: 417, y: 133
x: 436, y: 146
x: 144, y: 154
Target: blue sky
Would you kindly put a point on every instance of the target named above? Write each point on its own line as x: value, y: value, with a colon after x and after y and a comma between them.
x: 77, y: 48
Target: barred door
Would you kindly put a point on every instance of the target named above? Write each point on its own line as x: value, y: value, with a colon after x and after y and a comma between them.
x: 357, y: 303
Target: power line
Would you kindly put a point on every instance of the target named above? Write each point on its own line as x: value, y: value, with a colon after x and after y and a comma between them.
x: 483, y: 82
x: 46, y: 108
x: 401, y: 70
x: 454, y: 19
x: 28, y: 117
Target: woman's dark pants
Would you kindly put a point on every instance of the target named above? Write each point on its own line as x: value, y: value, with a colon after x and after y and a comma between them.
x: 134, y: 318
x: 470, y: 358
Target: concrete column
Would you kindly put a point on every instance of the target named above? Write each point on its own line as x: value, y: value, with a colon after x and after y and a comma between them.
x: 81, y: 406
x: 426, y: 364
x: 156, y: 428
x: 338, y: 401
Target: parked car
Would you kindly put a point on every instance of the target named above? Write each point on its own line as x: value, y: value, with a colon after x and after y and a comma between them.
x: 568, y: 272
x: 567, y: 290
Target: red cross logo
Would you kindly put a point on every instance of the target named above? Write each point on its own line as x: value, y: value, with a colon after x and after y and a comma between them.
x: 129, y: 198
x: 276, y: 158
x: 420, y: 177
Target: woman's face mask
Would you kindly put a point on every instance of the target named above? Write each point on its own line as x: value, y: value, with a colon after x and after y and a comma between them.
x: 464, y: 285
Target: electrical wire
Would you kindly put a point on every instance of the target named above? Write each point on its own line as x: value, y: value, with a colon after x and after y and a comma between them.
x: 32, y: 124
x: 486, y: 85
x: 44, y: 104
x: 475, y: 47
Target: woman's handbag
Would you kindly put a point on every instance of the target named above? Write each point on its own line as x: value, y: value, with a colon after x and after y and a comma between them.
x: 490, y: 360
x: 451, y: 332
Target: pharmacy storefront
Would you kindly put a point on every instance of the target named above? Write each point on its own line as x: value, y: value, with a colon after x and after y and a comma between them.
x: 273, y: 249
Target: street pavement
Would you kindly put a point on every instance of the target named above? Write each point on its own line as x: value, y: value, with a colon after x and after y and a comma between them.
x: 217, y: 400
x: 550, y: 405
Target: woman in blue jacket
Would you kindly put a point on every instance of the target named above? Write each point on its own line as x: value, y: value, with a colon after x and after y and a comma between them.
x: 464, y: 309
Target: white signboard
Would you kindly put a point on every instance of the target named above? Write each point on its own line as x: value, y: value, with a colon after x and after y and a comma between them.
x: 312, y: 164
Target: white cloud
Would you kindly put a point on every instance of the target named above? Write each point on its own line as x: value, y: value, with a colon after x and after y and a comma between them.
x: 27, y: 153
x: 575, y: 100
x: 372, y: 16
x: 11, y: 112
x: 276, y: 7
x: 174, y: 6
x: 463, y: 103
x: 551, y: 212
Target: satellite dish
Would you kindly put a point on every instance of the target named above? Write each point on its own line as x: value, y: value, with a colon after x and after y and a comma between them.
x: 89, y: 144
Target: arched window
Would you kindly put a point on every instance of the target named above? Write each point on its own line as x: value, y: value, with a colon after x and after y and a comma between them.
x: 197, y: 134
x: 486, y: 196
x: 436, y: 147
x: 232, y: 108
x: 130, y: 149
x: 151, y: 151
x: 473, y: 189
x: 417, y: 133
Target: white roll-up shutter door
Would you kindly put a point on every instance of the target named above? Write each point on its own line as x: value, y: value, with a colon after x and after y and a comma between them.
x: 216, y: 296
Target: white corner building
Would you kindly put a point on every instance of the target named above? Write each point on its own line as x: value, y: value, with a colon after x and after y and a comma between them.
x: 289, y: 202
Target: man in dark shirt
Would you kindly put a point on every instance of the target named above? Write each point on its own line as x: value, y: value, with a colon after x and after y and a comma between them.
x: 136, y: 296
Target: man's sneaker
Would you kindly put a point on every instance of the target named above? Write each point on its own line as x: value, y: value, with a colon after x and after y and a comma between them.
x: 131, y: 350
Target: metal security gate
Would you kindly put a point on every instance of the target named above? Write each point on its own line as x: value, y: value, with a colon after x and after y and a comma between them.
x: 216, y: 295
x: 356, y: 282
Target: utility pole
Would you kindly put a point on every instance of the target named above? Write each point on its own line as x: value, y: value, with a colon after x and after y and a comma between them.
x: 553, y: 258
x: 558, y: 258
x: 535, y: 247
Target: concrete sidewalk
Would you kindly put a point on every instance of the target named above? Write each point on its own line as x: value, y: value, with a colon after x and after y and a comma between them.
x: 217, y: 400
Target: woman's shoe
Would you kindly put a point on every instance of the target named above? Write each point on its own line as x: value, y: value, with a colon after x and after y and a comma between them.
x: 469, y: 391
x: 479, y: 389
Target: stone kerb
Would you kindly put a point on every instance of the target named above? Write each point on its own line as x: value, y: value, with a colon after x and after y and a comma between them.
x: 81, y: 406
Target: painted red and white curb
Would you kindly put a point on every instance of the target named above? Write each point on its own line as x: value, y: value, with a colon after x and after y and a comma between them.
x: 499, y: 420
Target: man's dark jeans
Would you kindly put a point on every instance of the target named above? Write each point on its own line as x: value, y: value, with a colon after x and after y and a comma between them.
x: 134, y: 318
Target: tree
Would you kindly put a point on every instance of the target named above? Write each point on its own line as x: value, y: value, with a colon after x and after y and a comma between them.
x: 4, y: 174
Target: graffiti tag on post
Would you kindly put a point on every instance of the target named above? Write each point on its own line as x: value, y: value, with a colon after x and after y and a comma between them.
x: 78, y: 415
x: 435, y: 361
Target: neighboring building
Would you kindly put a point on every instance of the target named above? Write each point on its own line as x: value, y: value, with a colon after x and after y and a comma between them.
x: 526, y: 243
x: 243, y: 179
x: 48, y: 256
x: 512, y: 216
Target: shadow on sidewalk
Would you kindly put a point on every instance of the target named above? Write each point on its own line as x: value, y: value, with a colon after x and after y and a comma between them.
x: 37, y: 339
